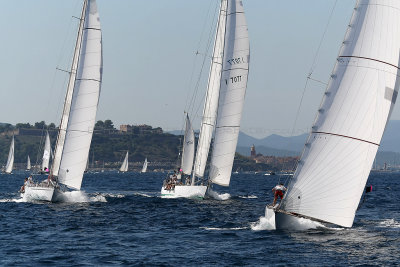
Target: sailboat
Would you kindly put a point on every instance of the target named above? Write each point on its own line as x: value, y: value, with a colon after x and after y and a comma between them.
x: 125, y: 163
x: 46, y: 154
x: 79, y: 113
x: 10, y: 160
x: 144, y: 168
x: 28, y: 164
x: 338, y: 155
x: 224, y: 101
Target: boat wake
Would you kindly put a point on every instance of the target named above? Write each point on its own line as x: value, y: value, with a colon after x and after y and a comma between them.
x: 390, y: 223
x: 217, y: 196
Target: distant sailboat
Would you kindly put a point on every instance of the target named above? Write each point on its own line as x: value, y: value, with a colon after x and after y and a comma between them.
x: 337, y: 158
x: 10, y: 159
x: 46, y: 154
x: 144, y: 168
x: 79, y: 113
x: 125, y: 163
x: 28, y: 164
x: 224, y: 101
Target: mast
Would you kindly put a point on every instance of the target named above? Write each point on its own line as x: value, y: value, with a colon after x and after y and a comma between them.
x: 235, y: 69
x: 211, y: 100
x: 74, y: 142
x: 338, y: 155
x: 62, y: 130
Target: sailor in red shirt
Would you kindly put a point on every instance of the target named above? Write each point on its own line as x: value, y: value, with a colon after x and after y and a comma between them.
x: 278, y: 191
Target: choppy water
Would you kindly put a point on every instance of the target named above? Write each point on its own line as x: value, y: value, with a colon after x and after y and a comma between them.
x: 120, y: 220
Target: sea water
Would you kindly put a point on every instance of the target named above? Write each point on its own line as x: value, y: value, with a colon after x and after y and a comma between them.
x: 120, y: 219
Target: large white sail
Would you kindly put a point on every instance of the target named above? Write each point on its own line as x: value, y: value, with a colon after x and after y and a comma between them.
x: 28, y: 163
x: 337, y: 158
x: 211, y: 100
x: 10, y: 159
x: 81, y: 104
x: 144, y: 169
x: 125, y: 163
x: 235, y: 70
x: 188, y: 148
x: 46, y: 153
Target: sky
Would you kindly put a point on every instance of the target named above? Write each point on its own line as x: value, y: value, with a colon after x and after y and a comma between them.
x: 150, y: 64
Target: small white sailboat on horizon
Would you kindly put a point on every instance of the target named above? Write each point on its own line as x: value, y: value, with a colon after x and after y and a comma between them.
x: 28, y: 164
x: 79, y: 112
x: 144, y: 168
x: 337, y: 158
x: 223, y: 107
x: 125, y: 163
x: 10, y: 159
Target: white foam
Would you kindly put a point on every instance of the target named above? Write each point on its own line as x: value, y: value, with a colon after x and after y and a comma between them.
x: 72, y: 197
x: 251, y: 196
x: 142, y: 195
x: 223, y: 229
x: 266, y: 222
x: 217, y: 196
x: 390, y: 223
x: 98, y: 198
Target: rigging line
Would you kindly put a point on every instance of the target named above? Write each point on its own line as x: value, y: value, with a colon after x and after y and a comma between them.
x: 312, y: 70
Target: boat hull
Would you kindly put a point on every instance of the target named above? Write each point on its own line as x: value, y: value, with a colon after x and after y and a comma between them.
x: 185, y: 191
x: 39, y: 193
x: 288, y: 222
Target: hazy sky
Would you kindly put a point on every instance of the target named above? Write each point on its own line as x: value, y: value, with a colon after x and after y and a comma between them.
x: 149, y: 56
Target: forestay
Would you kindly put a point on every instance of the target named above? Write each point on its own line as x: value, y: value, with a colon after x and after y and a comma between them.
x: 211, y: 100
x: 188, y: 148
x: 340, y: 150
x: 84, y: 101
x: 232, y: 93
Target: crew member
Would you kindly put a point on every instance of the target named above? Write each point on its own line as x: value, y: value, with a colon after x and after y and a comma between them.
x: 278, y: 192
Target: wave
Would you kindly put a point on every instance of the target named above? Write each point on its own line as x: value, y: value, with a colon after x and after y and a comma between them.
x: 217, y: 196
x: 249, y: 197
x: 390, y: 223
x: 223, y: 229
x: 266, y: 222
x: 142, y: 195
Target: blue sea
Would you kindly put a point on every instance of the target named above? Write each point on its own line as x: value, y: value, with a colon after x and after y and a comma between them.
x: 120, y: 219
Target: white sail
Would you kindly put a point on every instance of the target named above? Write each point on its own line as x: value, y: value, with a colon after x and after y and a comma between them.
x: 211, y: 100
x: 144, y: 169
x: 10, y: 159
x: 188, y: 148
x: 46, y: 153
x: 125, y: 164
x: 80, y: 107
x: 337, y: 158
x: 235, y: 70
x: 28, y: 163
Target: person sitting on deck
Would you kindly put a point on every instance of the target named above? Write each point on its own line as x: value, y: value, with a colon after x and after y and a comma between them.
x: 278, y: 191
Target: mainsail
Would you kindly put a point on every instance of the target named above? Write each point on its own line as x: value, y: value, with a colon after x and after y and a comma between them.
x: 235, y: 69
x: 10, y: 159
x: 46, y: 153
x: 144, y: 169
x: 338, y: 155
x: 188, y: 148
x: 211, y: 100
x: 28, y: 163
x: 124, y: 166
x: 80, y: 106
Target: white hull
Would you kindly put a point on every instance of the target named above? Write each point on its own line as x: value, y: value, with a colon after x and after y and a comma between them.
x: 287, y: 222
x: 185, y: 191
x: 39, y: 193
